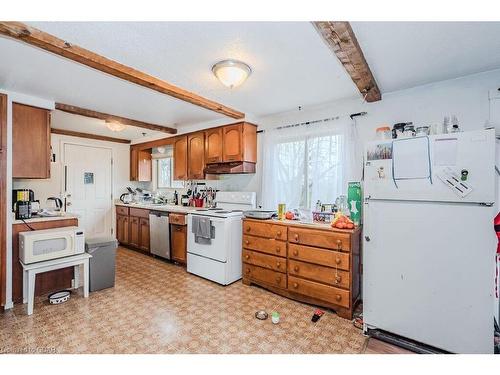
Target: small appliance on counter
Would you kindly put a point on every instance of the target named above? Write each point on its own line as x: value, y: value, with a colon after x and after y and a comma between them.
x: 54, y: 203
x: 24, y: 203
x: 259, y: 214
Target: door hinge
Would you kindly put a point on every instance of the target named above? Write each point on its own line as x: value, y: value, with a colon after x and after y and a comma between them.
x: 112, y: 230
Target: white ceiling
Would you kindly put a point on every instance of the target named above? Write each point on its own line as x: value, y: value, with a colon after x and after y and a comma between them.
x: 291, y: 67
x: 407, y: 54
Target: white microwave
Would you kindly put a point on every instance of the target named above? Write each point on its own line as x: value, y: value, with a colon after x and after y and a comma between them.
x: 46, y: 244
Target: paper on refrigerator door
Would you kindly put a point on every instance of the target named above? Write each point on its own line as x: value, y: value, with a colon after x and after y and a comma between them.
x: 445, y: 151
x: 411, y: 158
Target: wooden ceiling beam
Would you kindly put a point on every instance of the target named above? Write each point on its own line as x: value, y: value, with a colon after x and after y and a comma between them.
x: 89, y: 136
x: 51, y: 43
x: 112, y: 118
x: 340, y: 38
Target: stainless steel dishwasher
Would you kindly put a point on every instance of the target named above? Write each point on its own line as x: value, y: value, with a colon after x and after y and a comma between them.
x: 159, y: 234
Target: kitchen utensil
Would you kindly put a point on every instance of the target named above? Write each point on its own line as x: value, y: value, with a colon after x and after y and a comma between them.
x: 56, y: 205
x: 397, y: 129
x: 126, y: 198
x: 409, y: 130
x: 259, y: 214
x: 423, y: 130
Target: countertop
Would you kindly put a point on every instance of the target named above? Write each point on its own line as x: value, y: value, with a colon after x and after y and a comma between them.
x: 296, y: 223
x: 39, y: 219
x: 163, y: 207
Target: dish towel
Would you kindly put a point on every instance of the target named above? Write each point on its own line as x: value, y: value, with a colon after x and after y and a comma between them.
x: 202, y: 230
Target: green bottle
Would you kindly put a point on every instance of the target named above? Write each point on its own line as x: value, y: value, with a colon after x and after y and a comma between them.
x: 354, y: 201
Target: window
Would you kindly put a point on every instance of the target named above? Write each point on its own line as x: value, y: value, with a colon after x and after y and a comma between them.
x: 305, y: 164
x: 163, y: 171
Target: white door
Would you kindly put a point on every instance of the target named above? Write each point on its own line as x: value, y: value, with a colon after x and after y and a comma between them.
x: 428, y: 273
x: 88, y: 181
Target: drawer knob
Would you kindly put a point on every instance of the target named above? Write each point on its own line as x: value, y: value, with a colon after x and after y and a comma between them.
x: 295, y: 285
x: 338, y: 279
x: 247, y: 270
x: 278, y: 279
x: 247, y: 256
x: 339, y: 244
x: 278, y: 233
x: 295, y: 252
x: 338, y: 297
x: 297, y: 237
x: 296, y: 268
x: 278, y: 264
x: 338, y: 260
x: 247, y: 242
x: 248, y: 229
x: 278, y: 249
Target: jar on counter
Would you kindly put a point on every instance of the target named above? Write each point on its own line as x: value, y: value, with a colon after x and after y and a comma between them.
x: 423, y: 130
x: 409, y: 130
x: 383, y: 133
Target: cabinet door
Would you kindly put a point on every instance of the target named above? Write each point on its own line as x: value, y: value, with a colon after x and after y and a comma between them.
x: 180, y: 158
x: 30, y: 142
x: 134, y: 160
x: 232, y: 143
x: 213, y: 145
x: 178, y: 239
x: 133, y: 239
x: 122, y: 229
x: 144, y: 166
x: 196, y: 156
x: 144, y: 234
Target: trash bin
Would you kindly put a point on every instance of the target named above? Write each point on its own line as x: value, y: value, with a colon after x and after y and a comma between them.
x: 102, y: 263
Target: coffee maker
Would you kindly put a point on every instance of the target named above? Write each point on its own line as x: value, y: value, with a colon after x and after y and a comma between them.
x: 22, y: 200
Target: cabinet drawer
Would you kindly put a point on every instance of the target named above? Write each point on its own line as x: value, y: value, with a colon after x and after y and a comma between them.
x: 320, y: 291
x: 178, y: 219
x: 265, y: 245
x: 120, y: 210
x: 264, y: 260
x: 267, y: 230
x: 322, y: 257
x: 320, y: 238
x: 263, y: 275
x: 139, y: 212
x: 322, y: 274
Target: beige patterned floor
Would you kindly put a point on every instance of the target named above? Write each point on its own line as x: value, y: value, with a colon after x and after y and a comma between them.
x: 157, y: 307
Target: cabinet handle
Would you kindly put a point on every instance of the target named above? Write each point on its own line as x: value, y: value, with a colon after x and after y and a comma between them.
x: 278, y: 249
x: 339, y: 244
x: 295, y: 252
x: 338, y: 260
x: 338, y: 297
x: 297, y: 237
x: 338, y: 279
x: 278, y: 233
x: 247, y: 270
x: 247, y: 256
x: 248, y: 229
x: 296, y: 268
x: 247, y: 242
x: 295, y: 285
x: 278, y: 264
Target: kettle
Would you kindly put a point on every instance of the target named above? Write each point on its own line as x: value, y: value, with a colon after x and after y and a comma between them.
x: 126, y: 198
x: 57, y: 201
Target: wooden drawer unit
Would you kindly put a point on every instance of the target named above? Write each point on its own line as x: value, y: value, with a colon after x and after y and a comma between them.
x: 139, y: 212
x: 266, y: 276
x: 265, y: 245
x: 120, y: 210
x: 322, y: 274
x: 179, y: 219
x: 264, y: 229
x: 320, y: 291
x: 319, y: 256
x: 263, y: 260
x: 320, y: 238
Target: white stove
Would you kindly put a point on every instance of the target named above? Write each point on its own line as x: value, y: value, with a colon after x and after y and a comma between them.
x: 215, y: 254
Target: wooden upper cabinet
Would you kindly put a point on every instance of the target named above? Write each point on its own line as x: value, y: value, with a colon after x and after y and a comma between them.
x: 196, y: 155
x: 134, y: 159
x: 30, y: 142
x: 239, y: 142
x: 180, y: 158
x: 144, y: 168
x: 213, y: 145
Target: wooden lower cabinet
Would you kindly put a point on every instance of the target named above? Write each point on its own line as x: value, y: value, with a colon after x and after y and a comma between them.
x: 314, y: 264
x: 144, y: 234
x: 132, y: 227
x: 178, y: 243
x: 45, y: 282
x: 122, y: 229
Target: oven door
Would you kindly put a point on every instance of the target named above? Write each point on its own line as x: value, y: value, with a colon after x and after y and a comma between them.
x: 217, y: 249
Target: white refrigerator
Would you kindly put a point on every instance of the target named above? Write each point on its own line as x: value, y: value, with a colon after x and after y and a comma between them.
x: 429, y: 244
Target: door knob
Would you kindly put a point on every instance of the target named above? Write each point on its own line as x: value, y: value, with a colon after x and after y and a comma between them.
x: 367, y: 238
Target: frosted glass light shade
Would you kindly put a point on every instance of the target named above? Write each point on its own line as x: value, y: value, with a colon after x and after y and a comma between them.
x: 231, y: 73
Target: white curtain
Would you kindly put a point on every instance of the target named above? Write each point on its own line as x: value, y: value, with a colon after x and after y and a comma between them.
x: 307, y: 163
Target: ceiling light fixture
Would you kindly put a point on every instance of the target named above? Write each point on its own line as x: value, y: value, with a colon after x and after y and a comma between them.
x: 114, y: 126
x: 231, y: 73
